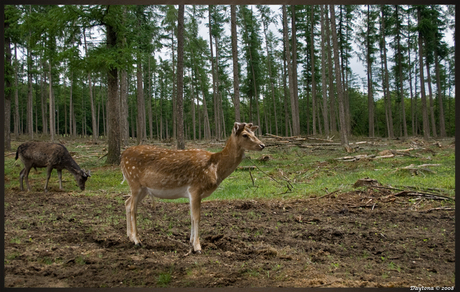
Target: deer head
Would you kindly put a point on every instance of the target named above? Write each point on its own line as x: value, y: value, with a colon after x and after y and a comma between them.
x: 246, y: 137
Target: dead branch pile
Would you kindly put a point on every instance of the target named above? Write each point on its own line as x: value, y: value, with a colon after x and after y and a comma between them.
x: 382, y: 154
x: 392, y: 193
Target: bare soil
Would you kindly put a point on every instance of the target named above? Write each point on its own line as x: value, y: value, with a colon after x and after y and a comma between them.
x: 357, y: 239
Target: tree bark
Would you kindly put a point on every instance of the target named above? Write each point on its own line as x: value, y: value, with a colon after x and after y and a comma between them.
x: 296, y: 121
x: 236, y: 82
x: 214, y: 82
x: 442, y: 125
x: 338, y: 78
x: 113, y: 154
x: 8, y: 91
x: 16, y: 96
x: 323, y: 71
x: 332, y: 103
x: 433, y: 121
x: 140, y: 103
x: 386, y: 81
x: 426, y: 126
x: 93, y: 110
x: 313, y: 80
x: 370, y: 91
x: 401, y: 86
x: 290, y: 67
x: 180, y: 78
x: 51, y: 105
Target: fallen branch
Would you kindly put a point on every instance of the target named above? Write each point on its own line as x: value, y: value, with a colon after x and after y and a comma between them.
x: 439, y: 208
x: 319, y: 139
x: 103, y: 156
x: 414, y: 169
x: 355, y: 158
x: 415, y: 193
x: 419, y: 194
x: 289, y: 185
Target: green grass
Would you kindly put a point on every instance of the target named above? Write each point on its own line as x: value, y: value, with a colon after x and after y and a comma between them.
x: 291, y: 172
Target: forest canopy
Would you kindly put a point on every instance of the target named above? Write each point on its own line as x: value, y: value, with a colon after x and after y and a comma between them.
x: 285, y: 68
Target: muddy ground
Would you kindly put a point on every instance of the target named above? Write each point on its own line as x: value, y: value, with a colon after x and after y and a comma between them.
x: 365, y: 238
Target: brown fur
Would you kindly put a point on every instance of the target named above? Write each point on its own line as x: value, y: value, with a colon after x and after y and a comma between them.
x: 172, y: 174
x: 49, y: 155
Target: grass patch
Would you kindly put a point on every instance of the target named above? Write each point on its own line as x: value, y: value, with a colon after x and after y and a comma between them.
x: 291, y: 172
x: 164, y: 279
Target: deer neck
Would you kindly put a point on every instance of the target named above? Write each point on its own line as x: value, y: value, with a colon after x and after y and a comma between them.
x: 72, y: 167
x: 228, y: 159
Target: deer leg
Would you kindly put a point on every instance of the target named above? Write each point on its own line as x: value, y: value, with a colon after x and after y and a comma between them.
x: 48, y: 172
x: 26, y: 177
x: 21, y: 176
x: 128, y: 216
x: 60, y: 178
x: 195, y: 207
x: 131, y: 216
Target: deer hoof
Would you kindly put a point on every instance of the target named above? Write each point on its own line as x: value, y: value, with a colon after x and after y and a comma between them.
x: 138, y: 244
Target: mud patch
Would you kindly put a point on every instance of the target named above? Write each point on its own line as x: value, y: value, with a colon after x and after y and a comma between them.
x: 358, y: 239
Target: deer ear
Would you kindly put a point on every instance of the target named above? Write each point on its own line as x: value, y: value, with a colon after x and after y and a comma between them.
x: 254, y: 128
x: 238, y: 127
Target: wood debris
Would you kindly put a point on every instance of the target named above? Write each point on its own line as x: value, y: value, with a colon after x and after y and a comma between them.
x: 415, y: 169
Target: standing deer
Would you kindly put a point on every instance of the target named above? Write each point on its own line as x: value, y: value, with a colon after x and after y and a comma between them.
x: 49, y: 155
x: 171, y: 174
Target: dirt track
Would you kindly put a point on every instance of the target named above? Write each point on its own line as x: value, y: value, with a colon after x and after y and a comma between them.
x: 60, y: 239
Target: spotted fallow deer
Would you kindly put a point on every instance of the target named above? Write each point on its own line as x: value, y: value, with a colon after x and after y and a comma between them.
x: 171, y: 174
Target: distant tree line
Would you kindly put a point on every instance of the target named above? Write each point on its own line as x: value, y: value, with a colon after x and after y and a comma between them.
x: 102, y: 70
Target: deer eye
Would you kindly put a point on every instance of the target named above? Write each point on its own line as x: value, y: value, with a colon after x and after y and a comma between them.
x: 245, y: 135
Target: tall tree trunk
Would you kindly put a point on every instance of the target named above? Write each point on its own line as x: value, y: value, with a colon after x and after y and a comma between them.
x: 124, y: 124
x: 93, y: 109
x: 113, y: 153
x: 294, y: 72
x: 149, y: 101
x: 442, y: 126
x: 16, y: 95
x: 332, y: 103
x: 323, y: 71
x: 401, y: 86
x: 312, y: 57
x: 426, y: 126
x: 290, y: 66
x: 174, y: 93
x: 180, y: 78
x: 140, y: 103
x: 91, y: 98
x: 220, y: 115
x: 30, y: 129
x: 256, y: 99
x: 271, y: 77
x: 193, y: 105
x: 370, y: 91
x: 338, y: 78
x: 433, y: 121
x: 215, y: 87
x: 8, y: 90
x: 236, y: 83
x: 70, y: 103
x: 412, y: 98
x: 386, y: 78
x: 285, y: 99
x: 51, y: 105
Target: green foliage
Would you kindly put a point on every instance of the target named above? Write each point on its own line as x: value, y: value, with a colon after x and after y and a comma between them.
x: 53, y: 34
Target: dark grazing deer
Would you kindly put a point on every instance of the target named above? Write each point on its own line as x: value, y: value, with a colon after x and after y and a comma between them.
x: 49, y: 155
x: 171, y: 174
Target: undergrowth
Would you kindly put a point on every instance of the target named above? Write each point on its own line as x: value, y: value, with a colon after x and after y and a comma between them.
x: 289, y: 172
